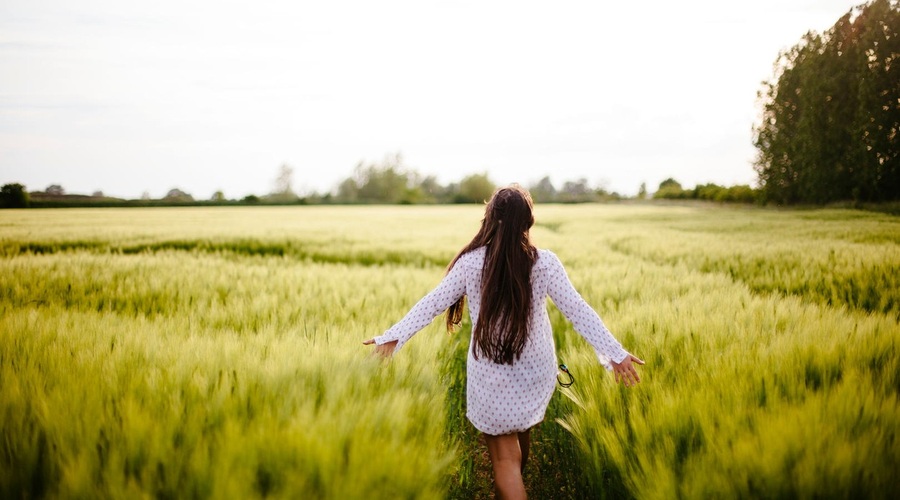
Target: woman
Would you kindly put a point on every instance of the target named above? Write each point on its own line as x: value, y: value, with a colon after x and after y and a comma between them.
x: 511, y: 367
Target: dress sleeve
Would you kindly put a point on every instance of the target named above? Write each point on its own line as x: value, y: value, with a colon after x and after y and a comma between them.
x: 583, y: 317
x: 450, y: 289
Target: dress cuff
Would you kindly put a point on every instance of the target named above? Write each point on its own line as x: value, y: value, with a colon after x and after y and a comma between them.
x: 620, y: 356
x: 384, y: 339
x: 606, y: 361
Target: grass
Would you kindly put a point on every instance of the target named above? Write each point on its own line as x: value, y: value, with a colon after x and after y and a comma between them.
x: 216, y: 353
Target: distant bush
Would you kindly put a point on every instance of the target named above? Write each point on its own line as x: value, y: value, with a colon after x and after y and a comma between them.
x: 13, y: 196
x: 671, y: 189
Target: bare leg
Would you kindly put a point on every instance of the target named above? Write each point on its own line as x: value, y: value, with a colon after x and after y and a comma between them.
x: 525, y: 446
x: 506, y: 459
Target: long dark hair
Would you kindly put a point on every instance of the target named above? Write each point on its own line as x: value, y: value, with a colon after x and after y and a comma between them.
x: 502, y: 327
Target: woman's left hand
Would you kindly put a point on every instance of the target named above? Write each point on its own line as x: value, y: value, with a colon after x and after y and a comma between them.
x: 385, y: 350
x: 626, y: 372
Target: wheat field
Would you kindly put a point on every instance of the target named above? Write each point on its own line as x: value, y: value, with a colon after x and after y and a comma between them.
x: 216, y: 353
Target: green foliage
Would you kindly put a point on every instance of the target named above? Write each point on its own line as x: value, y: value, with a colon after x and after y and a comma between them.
x: 177, y: 196
x: 578, y: 191
x: 389, y: 182
x: 672, y: 190
x: 543, y: 191
x: 475, y: 188
x: 215, y: 353
x: 13, y: 196
x: 831, y: 113
x: 669, y: 188
x: 218, y: 198
x: 385, y: 183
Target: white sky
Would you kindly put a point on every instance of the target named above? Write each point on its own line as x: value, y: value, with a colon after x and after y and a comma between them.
x: 127, y: 97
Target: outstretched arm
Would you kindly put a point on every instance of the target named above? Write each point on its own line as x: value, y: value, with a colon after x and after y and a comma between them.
x: 588, y: 323
x: 384, y: 350
x: 451, y: 288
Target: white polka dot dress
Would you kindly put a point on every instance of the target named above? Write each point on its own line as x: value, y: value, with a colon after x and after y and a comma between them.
x: 502, y: 399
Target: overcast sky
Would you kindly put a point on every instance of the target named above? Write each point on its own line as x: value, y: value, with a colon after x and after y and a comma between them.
x: 134, y: 97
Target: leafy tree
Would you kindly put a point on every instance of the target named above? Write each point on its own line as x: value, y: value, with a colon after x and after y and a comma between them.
x: 576, y: 192
x: 741, y: 193
x: 348, y: 191
x: 642, y: 191
x: 475, y: 188
x: 55, y: 190
x: 669, y: 188
x: 14, y: 196
x: 543, y: 191
x: 710, y: 191
x: 386, y: 182
x: 284, y: 191
x: 831, y: 113
x: 218, y: 197
x: 176, y: 195
x: 431, y: 189
x: 877, y: 150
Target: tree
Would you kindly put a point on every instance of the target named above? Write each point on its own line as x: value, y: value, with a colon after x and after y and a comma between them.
x: 432, y: 191
x: 831, y: 113
x: 387, y: 182
x: 14, y: 196
x: 475, y: 188
x: 576, y: 192
x: 218, y: 197
x: 55, y: 190
x: 284, y: 191
x: 642, y: 191
x: 543, y: 191
x: 348, y: 191
x: 669, y: 188
x: 741, y: 193
x: 710, y: 191
x: 176, y: 195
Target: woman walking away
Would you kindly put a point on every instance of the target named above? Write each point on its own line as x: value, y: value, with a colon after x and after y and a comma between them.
x: 511, y: 366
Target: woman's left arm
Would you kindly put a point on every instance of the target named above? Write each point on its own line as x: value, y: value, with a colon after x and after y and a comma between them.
x: 384, y: 350
x: 588, y: 323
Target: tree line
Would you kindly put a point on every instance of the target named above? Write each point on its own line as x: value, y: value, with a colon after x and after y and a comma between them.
x: 391, y: 182
x: 387, y: 182
x: 740, y: 193
x: 831, y: 113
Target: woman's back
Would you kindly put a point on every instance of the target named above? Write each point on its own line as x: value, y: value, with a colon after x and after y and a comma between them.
x: 504, y: 398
